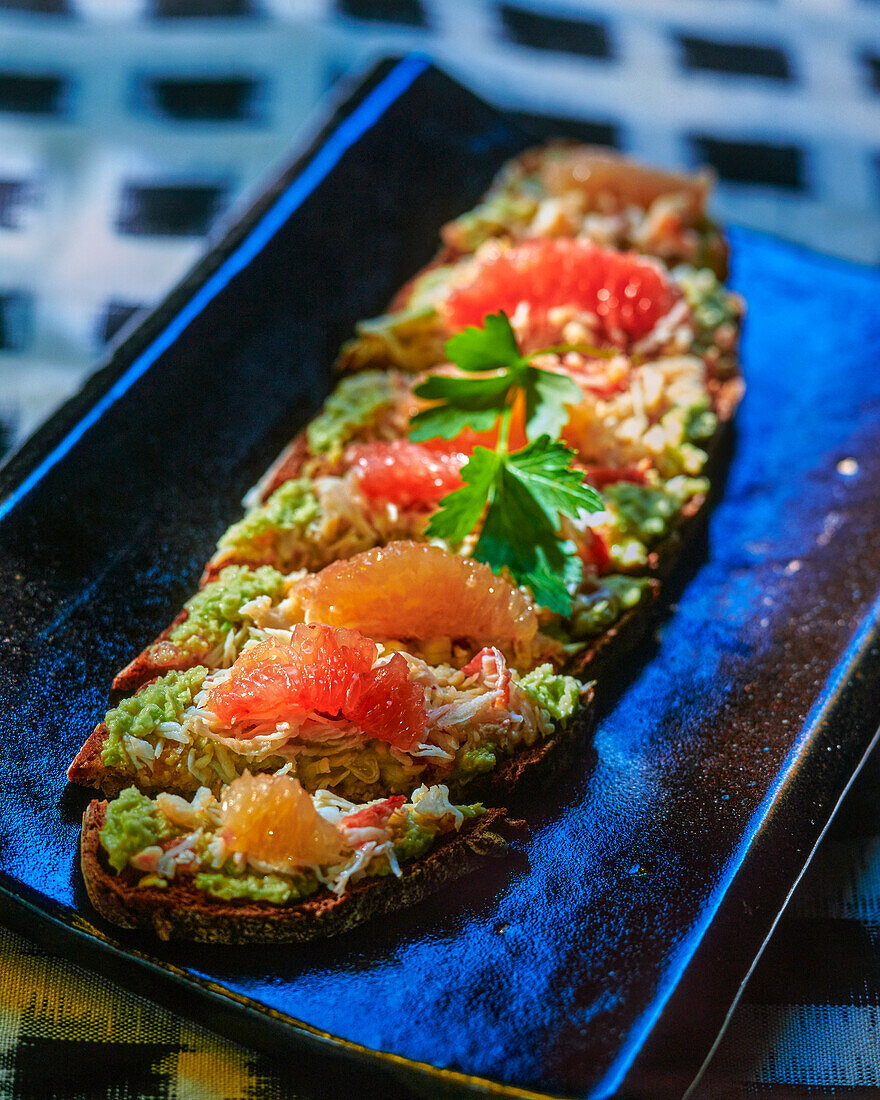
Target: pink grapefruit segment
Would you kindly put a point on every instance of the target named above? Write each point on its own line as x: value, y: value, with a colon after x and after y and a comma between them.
x: 406, y: 474
x: 627, y: 293
x: 328, y: 673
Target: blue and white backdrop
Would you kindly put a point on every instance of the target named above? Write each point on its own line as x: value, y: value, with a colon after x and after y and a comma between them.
x: 128, y: 126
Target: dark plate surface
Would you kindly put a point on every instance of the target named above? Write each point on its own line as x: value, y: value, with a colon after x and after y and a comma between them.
x: 604, y: 955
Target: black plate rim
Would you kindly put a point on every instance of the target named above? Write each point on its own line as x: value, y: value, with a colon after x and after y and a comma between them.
x: 630, y: 1071
x: 25, y: 914
x: 369, y: 96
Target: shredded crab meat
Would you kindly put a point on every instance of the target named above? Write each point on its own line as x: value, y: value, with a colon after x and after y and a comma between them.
x: 186, y: 815
x: 188, y: 854
x: 434, y: 802
x: 480, y: 702
x: 147, y: 859
x: 180, y: 857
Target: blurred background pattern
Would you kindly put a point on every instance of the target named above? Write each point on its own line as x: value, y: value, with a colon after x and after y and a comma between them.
x: 129, y: 129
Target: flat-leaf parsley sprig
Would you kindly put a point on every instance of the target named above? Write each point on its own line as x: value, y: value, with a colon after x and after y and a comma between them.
x: 527, y: 490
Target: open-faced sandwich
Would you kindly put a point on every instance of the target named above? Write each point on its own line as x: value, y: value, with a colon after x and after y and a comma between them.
x: 476, y: 523
x: 267, y: 861
x: 439, y: 676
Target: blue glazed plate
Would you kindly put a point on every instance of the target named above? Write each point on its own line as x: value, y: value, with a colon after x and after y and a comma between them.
x: 605, y: 954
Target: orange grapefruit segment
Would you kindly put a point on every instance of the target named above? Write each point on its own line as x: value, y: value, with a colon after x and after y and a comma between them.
x: 596, y: 172
x: 415, y: 590
x: 273, y: 820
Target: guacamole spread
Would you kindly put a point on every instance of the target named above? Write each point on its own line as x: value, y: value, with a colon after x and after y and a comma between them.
x: 711, y: 304
x: 354, y: 404
x: 132, y: 824
x: 165, y: 700
x: 643, y: 515
x: 292, y: 507
x: 557, y: 694
x: 595, y: 611
x: 216, y: 610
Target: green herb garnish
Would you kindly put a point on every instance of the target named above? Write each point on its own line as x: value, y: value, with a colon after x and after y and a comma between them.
x: 526, y: 491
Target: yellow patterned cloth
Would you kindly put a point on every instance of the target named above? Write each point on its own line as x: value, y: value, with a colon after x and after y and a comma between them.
x: 65, y: 1032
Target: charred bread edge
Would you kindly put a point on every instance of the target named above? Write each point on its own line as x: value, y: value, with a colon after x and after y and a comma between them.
x: 542, y: 760
x: 181, y: 911
x: 143, y: 668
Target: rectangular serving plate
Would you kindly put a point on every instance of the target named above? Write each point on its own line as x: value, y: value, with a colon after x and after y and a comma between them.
x: 603, y: 957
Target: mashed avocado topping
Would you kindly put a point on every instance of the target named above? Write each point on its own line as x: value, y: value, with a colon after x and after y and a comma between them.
x: 165, y: 700
x: 292, y: 507
x: 712, y: 305
x: 277, y: 889
x: 471, y: 760
x: 216, y: 609
x: 132, y: 823
x: 413, y: 839
x: 642, y: 511
x: 557, y: 694
x: 175, y: 839
x: 688, y: 428
x: 501, y: 213
x: 409, y: 339
x: 643, y: 515
x: 699, y: 424
x: 354, y: 404
x: 597, y: 610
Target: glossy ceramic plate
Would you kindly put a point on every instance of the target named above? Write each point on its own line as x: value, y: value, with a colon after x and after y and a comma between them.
x: 604, y: 955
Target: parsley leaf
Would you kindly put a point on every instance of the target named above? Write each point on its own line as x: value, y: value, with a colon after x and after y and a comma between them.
x: 547, y: 396
x: 544, y: 470
x: 519, y: 496
x: 557, y: 570
x: 461, y: 510
x: 516, y: 534
x: 470, y: 403
x: 526, y: 492
x: 487, y: 348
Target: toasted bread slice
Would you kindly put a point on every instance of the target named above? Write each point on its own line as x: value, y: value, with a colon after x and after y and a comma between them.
x: 551, y: 188
x: 538, y: 763
x: 181, y: 911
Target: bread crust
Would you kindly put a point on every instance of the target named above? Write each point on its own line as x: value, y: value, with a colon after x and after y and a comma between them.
x: 145, y: 667
x: 180, y: 911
